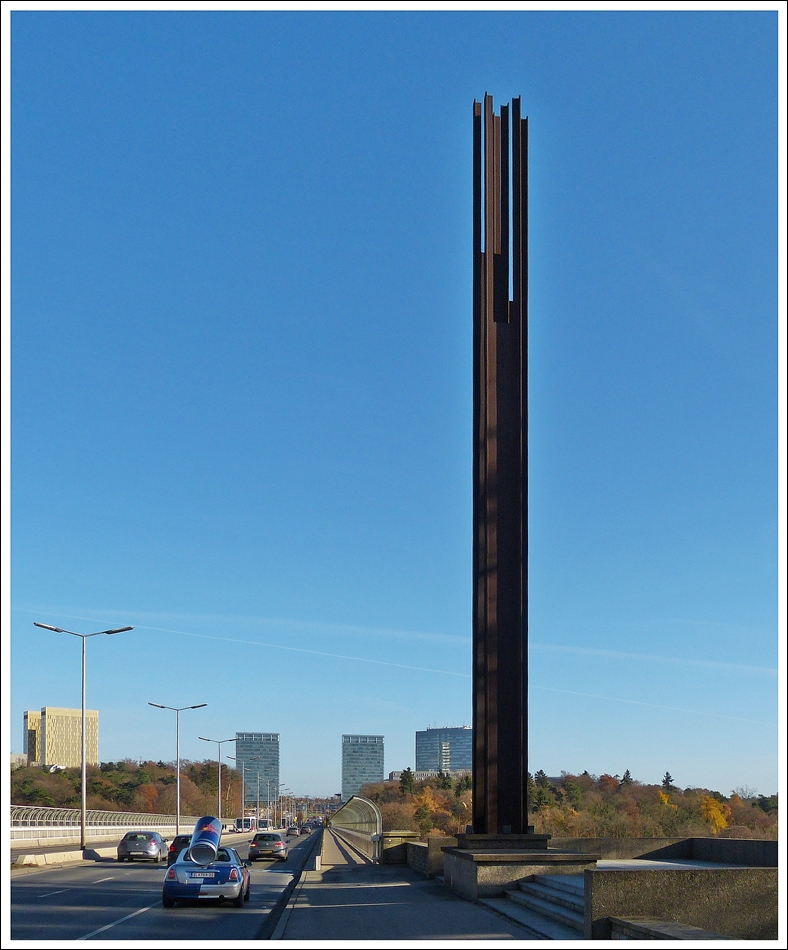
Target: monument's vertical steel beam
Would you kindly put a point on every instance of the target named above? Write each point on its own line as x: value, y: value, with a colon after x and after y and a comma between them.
x: 500, y: 562
x: 479, y: 465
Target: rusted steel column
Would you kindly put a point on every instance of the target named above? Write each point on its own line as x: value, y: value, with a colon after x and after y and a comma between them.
x: 500, y: 466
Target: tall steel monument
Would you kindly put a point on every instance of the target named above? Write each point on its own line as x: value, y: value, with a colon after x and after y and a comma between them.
x: 500, y: 469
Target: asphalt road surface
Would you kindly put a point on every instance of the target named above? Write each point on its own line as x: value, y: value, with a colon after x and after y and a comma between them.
x: 106, y: 900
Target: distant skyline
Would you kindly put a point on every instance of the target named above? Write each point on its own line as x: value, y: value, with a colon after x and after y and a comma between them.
x: 239, y: 415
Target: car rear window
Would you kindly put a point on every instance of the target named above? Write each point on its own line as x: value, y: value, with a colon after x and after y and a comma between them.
x: 135, y: 837
x: 266, y: 837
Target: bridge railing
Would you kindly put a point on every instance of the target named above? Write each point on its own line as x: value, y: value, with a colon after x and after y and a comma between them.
x: 360, y: 823
x: 38, y: 823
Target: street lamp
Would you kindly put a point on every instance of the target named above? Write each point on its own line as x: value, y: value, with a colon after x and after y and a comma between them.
x: 282, y: 788
x: 178, y: 756
x: 268, y: 798
x: 257, y: 758
x: 244, y: 770
x: 83, y: 636
x: 219, y: 742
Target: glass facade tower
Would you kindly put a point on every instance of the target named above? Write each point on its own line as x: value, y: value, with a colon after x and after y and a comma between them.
x: 259, y: 752
x: 448, y: 749
x: 362, y: 762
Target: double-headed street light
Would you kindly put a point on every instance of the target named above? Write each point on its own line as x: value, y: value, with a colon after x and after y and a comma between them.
x: 84, y: 636
x: 178, y: 756
x: 219, y: 743
x: 282, y: 788
x: 244, y: 770
x: 256, y: 758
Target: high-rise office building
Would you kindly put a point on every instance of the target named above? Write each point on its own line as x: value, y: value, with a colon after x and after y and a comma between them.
x: 362, y: 762
x: 31, y: 737
x: 259, y: 752
x: 447, y: 749
x: 54, y: 736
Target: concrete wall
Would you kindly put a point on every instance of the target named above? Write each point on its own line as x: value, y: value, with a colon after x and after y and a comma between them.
x: 745, y: 851
x: 426, y: 857
x: 395, y: 846
x: 734, y: 902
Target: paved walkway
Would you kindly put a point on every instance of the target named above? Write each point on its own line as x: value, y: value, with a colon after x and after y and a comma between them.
x: 351, y: 899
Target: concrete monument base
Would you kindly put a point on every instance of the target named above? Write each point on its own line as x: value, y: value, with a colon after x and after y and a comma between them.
x: 487, y: 865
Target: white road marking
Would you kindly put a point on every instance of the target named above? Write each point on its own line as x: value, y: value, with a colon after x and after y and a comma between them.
x: 102, y: 879
x: 115, y: 923
x: 52, y: 893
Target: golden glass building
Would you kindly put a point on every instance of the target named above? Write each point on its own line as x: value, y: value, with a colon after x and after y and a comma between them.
x: 54, y: 736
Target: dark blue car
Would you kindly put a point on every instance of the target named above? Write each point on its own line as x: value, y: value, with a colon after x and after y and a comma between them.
x: 226, y: 878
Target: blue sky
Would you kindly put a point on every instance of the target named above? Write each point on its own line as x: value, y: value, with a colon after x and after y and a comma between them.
x: 241, y: 380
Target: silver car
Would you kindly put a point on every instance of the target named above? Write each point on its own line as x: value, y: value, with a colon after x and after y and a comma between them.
x: 148, y: 845
x: 268, y: 845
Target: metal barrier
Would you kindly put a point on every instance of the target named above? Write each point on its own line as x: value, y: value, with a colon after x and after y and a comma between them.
x: 360, y: 823
x: 31, y: 823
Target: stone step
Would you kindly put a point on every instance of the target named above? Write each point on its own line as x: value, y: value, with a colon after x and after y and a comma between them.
x: 548, y: 908
x: 544, y: 928
x: 565, y: 883
x: 554, y: 895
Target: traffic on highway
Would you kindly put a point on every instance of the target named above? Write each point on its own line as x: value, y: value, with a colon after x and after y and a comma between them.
x: 108, y: 899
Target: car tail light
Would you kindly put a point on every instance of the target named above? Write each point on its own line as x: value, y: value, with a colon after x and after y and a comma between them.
x: 279, y: 844
x: 171, y: 876
x: 234, y: 874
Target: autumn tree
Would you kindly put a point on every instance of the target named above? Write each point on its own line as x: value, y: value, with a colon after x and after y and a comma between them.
x: 667, y: 782
x: 715, y: 812
x: 445, y: 781
x: 608, y: 783
x: 407, y: 782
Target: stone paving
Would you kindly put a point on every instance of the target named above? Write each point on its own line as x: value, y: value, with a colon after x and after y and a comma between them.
x: 350, y: 898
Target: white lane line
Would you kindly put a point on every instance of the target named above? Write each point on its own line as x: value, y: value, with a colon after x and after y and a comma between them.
x: 102, y: 879
x: 52, y: 893
x: 115, y: 923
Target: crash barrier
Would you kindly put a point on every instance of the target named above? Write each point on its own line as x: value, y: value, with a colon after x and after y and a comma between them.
x: 34, y: 825
x: 359, y: 822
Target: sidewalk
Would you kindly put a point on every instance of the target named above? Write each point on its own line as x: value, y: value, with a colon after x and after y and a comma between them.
x: 351, y: 899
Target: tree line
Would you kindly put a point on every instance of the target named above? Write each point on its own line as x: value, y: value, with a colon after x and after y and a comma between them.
x: 583, y: 806
x: 127, y: 785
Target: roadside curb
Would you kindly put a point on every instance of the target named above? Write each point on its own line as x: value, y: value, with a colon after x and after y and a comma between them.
x: 274, y: 926
x: 284, y: 917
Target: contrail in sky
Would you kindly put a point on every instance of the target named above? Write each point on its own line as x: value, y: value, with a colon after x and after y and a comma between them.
x: 422, y: 669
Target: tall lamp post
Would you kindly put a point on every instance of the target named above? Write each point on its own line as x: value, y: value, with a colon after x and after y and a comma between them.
x: 256, y: 758
x: 84, y: 637
x: 268, y: 797
x: 178, y: 712
x: 244, y: 770
x: 219, y: 743
x: 283, y: 788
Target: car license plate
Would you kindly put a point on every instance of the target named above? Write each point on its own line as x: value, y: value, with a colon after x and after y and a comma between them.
x: 201, y: 874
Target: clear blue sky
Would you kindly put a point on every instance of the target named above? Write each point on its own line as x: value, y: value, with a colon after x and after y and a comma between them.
x: 241, y: 392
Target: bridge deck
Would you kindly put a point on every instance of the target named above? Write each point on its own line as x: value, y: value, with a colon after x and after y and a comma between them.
x: 352, y: 899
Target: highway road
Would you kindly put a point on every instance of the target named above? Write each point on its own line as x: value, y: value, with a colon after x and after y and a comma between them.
x: 106, y: 900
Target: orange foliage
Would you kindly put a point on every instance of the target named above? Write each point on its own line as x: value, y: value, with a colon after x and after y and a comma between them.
x: 607, y: 783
